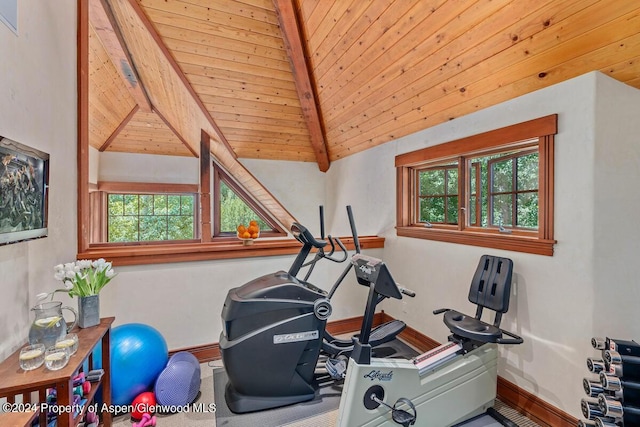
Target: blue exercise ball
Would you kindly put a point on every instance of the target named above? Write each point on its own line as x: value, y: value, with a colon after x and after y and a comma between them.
x: 138, y: 355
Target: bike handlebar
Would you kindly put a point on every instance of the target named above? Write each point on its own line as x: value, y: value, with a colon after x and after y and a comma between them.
x: 305, y: 237
x: 407, y: 292
x: 342, y: 247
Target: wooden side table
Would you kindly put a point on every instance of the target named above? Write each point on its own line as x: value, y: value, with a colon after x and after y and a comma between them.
x: 14, y: 381
x: 17, y: 419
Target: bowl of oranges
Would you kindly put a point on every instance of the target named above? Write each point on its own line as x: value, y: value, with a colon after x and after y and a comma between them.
x: 248, y: 234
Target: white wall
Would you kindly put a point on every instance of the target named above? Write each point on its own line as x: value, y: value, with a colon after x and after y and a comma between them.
x: 586, y: 289
x: 152, y: 168
x: 617, y: 203
x: 38, y: 108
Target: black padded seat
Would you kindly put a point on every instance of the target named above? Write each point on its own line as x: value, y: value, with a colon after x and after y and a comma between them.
x: 470, y: 327
x: 491, y: 289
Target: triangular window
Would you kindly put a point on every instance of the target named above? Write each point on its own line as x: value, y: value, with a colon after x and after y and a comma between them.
x: 232, y: 207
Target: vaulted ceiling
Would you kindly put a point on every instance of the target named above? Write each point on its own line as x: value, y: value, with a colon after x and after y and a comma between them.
x: 319, y: 80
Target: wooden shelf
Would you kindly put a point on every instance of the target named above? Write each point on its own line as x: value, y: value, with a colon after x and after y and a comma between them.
x: 17, y: 419
x: 14, y: 381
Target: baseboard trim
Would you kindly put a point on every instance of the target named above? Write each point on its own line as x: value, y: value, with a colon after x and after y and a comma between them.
x: 521, y: 400
x: 204, y: 353
x: 533, y: 407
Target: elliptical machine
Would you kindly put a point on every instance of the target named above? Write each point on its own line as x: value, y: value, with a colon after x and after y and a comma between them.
x: 274, y: 328
x: 449, y: 385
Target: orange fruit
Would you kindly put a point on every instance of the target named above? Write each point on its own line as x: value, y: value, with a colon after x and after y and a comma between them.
x: 246, y: 235
x: 254, y: 222
x: 241, y: 229
x: 252, y: 229
x: 254, y: 236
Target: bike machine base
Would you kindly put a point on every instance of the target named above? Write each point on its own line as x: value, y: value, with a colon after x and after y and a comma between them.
x: 460, y: 389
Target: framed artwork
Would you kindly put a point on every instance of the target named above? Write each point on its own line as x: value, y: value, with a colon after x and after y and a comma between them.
x: 24, y: 189
x: 9, y: 14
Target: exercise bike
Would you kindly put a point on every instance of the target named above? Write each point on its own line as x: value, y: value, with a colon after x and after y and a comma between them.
x: 452, y: 384
x: 274, y: 329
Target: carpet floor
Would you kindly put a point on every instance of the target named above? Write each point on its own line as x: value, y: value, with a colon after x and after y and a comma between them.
x: 202, y: 413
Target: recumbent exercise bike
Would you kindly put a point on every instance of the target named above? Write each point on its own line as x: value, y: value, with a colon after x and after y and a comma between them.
x: 449, y: 385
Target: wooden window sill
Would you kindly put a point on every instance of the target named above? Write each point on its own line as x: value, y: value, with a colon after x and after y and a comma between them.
x: 185, y: 252
x: 532, y: 245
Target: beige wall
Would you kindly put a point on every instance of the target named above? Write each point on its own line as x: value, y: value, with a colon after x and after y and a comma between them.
x: 38, y: 108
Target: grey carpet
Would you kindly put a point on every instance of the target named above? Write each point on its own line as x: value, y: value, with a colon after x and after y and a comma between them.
x: 208, y: 419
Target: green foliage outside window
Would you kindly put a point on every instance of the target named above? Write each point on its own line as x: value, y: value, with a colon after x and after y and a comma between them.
x: 158, y: 217
x: 507, y: 186
x: 439, y: 194
x: 234, y: 211
x: 513, y: 191
x: 150, y: 217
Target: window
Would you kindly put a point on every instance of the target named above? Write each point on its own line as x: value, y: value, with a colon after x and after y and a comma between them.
x: 150, y: 217
x: 129, y: 212
x: 233, y: 206
x: 493, y: 190
x: 438, y: 194
x: 134, y: 212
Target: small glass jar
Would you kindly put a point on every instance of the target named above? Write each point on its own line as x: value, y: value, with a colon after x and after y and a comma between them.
x: 56, y: 358
x: 69, y: 340
x: 32, y: 357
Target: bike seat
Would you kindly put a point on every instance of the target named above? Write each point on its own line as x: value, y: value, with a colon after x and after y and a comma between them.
x: 470, y: 327
x: 490, y: 289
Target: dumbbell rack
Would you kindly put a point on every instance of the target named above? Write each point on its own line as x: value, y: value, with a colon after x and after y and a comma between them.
x: 613, y: 391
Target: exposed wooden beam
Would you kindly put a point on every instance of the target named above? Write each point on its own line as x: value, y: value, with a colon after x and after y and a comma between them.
x: 177, y: 134
x: 121, y: 126
x: 293, y: 43
x: 205, y: 187
x: 168, y: 59
x: 84, y: 210
x: 103, y: 23
x: 171, y: 95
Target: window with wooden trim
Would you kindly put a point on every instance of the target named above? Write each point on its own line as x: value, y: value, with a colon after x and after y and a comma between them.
x: 129, y: 212
x: 151, y: 217
x: 134, y: 212
x: 233, y: 206
x: 493, y: 189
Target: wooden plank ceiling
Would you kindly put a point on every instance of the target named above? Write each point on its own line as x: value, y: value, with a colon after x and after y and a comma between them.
x: 354, y: 75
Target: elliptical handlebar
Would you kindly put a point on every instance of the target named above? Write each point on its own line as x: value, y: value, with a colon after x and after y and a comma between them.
x: 342, y: 247
x: 354, y: 233
x: 305, y: 237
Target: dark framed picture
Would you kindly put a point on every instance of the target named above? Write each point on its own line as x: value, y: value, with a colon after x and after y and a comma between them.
x: 24, y: 188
